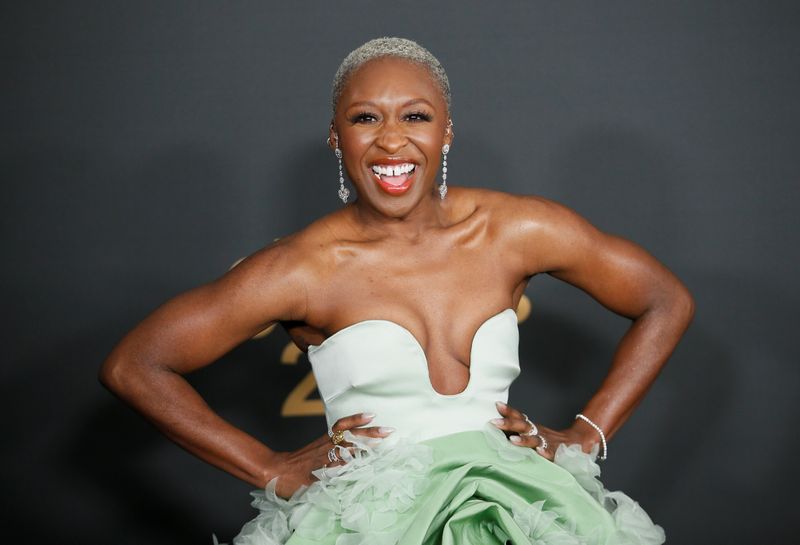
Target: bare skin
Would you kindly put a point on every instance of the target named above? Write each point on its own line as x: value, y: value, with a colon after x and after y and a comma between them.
x: 437, y: 267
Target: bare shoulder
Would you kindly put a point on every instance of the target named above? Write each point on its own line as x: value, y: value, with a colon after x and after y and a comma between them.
x: 273, y: 281
x: 525, y: 215
x: 297, y: 256
x: 536, y: 230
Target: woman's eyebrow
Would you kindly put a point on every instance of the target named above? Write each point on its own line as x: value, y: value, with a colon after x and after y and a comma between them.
x: 411, y: 102
x: 362, y: 103
x: 417, y: 101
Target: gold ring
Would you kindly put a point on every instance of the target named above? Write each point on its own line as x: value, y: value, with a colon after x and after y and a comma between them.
x: 337, y: 437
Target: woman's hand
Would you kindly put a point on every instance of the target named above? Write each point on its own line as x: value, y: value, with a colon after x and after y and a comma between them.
x: 545, y: 441
x: 294, y: 468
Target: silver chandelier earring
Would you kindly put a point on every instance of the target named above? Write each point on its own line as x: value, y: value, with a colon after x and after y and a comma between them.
x: 343, y: 191
x: 443, y: 185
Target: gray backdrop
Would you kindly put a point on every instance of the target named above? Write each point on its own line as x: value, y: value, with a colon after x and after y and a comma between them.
x: 146, y: 146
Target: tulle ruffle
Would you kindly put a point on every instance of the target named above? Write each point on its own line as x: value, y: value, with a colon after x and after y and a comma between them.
x: 472, y: 487
x: 633, y: 524
x: 360, y: 501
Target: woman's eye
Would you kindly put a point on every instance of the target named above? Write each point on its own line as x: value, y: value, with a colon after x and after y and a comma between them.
x: 418, y: 116
x: 363, y: 117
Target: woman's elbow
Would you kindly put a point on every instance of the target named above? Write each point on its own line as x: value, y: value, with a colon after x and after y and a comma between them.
x: 118, y: 376
x: 674, y: 304
x: 109, y: 374
x: 683, y: 305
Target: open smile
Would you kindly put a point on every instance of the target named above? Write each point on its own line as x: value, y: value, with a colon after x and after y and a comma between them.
x: 394, y: 179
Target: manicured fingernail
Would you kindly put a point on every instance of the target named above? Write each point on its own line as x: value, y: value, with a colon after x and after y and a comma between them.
x: 368, y: 415
x: 500, y: 404
x: 386, y: 431
x: 497, y: 421
x: 515, y: 439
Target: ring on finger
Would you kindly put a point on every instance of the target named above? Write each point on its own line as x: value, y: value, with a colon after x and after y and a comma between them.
x: 332, y: 457
x: 542, y: 442
x: 534, y: 431
x: 336, y: 436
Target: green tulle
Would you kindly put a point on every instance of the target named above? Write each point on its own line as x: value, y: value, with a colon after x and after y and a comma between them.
x: 472, y: 487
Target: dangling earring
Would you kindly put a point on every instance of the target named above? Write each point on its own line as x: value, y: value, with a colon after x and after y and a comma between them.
x: 343, y: 191
x: 443, y: 185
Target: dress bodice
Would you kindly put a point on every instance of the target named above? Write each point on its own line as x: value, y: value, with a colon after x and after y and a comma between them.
x: 378, y: 366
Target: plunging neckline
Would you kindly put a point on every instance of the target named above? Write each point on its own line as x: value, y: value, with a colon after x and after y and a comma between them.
x: 315, y: 347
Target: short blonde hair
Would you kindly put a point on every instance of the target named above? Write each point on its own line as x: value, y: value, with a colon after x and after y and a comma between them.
x: 401, y: 48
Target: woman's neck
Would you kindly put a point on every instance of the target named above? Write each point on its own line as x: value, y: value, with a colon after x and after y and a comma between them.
x: 429, y: 214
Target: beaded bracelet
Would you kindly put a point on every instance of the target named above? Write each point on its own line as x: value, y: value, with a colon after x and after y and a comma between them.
x: 602, y: 435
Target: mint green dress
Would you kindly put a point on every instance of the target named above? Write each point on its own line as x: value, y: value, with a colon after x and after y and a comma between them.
x: 446, y: 476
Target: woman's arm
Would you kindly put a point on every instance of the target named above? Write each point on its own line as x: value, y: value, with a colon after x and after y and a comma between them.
x: 627, y: 280
x: 191, y: 331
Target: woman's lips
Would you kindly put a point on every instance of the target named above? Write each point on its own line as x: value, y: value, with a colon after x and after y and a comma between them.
x: 394, y: 180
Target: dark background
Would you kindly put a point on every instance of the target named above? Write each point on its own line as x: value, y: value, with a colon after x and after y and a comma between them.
x: 147, y: 146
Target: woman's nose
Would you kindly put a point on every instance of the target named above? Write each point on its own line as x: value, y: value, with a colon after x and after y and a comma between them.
x: 391, y: 138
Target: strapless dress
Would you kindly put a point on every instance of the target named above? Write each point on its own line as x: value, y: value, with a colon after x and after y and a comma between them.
x: 446, y: 475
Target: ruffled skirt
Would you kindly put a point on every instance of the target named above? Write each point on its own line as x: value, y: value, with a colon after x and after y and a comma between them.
x: 472, y: 487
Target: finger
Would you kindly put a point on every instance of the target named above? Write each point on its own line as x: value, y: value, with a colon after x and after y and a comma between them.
x: 512, y: 425
x: 545, y: 453
x: 502, y: 408
x: 344, y: 445
x: 338, y: 458
x: 352, y: 421
x: 507, y: 410
x: 373, y: 431
x: 533, y: 443
x: 530, y: 441
x: 544, y: 446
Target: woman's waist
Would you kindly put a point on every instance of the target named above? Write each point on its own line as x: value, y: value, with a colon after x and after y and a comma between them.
x: 419, y: 419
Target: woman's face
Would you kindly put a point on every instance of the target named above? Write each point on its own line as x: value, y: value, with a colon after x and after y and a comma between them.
x: 391, y: 122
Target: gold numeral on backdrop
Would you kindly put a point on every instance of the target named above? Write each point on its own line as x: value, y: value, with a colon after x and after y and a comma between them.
x: 297, y: 402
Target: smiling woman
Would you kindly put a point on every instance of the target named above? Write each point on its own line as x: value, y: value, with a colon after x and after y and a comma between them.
x: 404, y: 300
x: 390, y: 125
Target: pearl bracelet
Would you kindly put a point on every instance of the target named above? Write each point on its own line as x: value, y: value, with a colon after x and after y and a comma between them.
x: 602, y: 435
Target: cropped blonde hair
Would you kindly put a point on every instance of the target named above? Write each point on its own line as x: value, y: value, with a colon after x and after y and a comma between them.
x: 401, y: 48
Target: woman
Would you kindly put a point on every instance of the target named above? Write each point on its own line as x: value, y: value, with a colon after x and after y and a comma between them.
x: 404, y: 301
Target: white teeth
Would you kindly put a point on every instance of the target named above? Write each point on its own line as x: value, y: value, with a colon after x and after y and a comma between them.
x: 395, y: 170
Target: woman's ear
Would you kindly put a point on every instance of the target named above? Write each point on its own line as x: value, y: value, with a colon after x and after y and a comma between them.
x: 333, y: 138
x: 448, y: 133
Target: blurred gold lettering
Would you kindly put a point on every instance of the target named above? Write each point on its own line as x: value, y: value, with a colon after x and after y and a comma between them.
x: 290, y: 354
x: 297, y: 402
